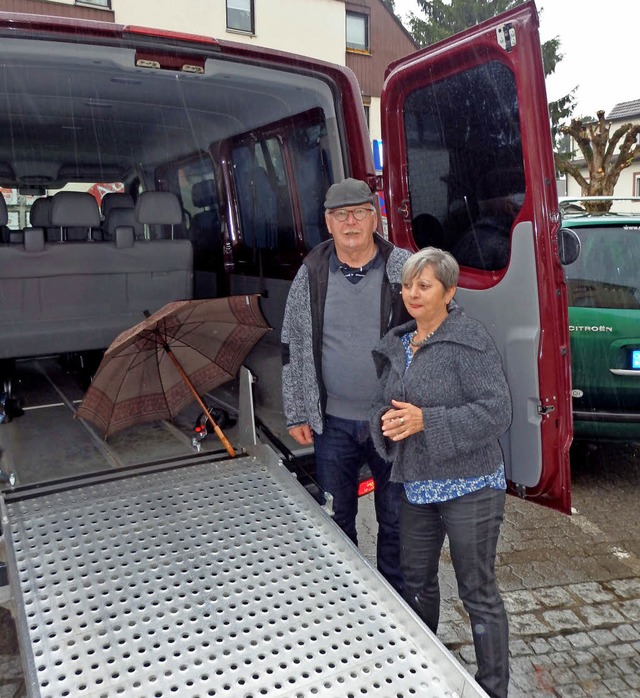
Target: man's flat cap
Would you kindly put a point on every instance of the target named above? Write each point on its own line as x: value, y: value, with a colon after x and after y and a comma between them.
x: 349, y: 192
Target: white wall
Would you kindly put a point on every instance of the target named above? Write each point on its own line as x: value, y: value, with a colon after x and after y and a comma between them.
x: 313, y: 28
x: 624, y: 188
x: 375, y: 128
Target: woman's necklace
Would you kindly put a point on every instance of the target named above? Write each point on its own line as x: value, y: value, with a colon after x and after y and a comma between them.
x: 420, y: 342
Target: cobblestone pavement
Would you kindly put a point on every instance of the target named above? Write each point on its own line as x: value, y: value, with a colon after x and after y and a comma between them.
x: 571, y: 586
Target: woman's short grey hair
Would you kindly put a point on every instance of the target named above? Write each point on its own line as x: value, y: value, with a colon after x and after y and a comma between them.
x: 445, y: 268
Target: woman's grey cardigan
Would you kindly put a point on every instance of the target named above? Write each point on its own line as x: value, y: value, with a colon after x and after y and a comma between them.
x: 457, y: 379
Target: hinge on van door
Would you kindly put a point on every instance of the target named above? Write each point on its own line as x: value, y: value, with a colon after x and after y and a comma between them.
x: 506, y: 35
x: 545, y: 409
x: 375, y: 182
x: 521, y: 490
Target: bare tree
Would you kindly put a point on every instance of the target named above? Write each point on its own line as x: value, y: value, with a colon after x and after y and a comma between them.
x: 604, y: 165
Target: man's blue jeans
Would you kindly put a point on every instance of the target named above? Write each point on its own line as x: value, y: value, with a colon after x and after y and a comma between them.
x: 340, y: 451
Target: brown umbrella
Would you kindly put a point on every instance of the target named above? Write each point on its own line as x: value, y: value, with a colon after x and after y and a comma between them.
x: 155, y: 369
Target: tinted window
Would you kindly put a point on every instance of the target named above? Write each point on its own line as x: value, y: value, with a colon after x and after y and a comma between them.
x: 280, y: 183
x: 465, y: 165
x: 266, y: 217
x: 312, y: 173
x: 605, y: 275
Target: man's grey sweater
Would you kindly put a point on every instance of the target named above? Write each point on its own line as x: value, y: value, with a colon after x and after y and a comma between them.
x: 303, y: 389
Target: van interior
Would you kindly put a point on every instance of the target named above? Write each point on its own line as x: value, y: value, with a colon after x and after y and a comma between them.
x: 138, y: 170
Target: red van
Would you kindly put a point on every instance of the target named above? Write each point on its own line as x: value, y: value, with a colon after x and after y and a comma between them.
x: 248, y: 140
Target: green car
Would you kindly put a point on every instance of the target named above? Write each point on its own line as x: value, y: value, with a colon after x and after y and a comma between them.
x: 604, y: 321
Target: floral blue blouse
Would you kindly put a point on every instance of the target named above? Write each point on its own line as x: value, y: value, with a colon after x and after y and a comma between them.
x: 431, y: 491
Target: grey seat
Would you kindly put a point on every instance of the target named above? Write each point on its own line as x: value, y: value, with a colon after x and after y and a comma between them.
x: 74, y: 214
x: 157, y: 210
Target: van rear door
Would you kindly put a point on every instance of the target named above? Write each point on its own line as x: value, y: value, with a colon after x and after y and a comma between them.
x: 469, y: 168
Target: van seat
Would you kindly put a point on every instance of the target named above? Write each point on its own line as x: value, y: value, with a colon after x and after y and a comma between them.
x: 75, y: 213
x: 68, y: 297
x: 157, y: 209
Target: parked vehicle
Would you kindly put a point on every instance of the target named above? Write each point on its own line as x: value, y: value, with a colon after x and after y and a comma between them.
x: 603, y: 287
x: 164, y: 167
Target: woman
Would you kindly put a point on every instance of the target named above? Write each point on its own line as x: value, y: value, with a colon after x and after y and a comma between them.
x: 441, y: 405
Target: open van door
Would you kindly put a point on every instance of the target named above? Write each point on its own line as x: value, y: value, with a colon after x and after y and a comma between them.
x: 469, y: 168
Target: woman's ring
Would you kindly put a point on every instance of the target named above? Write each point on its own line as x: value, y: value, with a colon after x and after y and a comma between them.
x: 401, y: 420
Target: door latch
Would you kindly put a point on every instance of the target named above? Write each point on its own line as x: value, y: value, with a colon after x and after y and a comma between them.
x: 545, y: 409
x: 506, y: 35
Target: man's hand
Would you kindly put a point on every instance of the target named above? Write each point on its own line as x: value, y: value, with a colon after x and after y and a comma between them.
x: 302, y: 434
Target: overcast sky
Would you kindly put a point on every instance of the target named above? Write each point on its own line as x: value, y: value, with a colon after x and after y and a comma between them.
x: 599, y: 40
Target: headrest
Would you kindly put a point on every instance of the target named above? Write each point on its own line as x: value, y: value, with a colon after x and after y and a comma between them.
x: 117, y: 217
x: 74, y: 208
x: 34, y: 239
x: 113, y: 199
x: 123, y: 236
x: 161, y: 207
x: 4, y: 214
x: 203, y: 194
x: 40, y: 213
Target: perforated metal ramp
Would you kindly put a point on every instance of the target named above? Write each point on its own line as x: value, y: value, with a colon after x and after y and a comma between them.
x: 215, y: 579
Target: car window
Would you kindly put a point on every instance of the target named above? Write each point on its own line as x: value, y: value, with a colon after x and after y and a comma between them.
x: 605, y: 275
x: 465, y: 164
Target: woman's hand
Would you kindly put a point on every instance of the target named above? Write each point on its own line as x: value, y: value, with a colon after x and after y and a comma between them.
x: 404, y: 419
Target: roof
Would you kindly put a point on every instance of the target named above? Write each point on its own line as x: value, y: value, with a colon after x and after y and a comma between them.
x: 573, y: 211
x: 625, y: 110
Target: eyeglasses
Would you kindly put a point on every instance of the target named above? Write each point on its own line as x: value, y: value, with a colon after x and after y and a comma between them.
x: 341, y: 214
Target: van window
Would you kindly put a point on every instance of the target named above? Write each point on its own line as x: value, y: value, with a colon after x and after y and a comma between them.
x: 605, y: 275
x: 194, y: 181
x: 312, y: 173
x: 280, y: 180
x: 465, y: 165
x: 264, y: 204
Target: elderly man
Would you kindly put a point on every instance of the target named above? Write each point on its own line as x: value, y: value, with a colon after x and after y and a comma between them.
x: 344, y: 298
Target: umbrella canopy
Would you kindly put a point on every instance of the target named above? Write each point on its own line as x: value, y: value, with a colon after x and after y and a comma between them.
x: 155, y: 369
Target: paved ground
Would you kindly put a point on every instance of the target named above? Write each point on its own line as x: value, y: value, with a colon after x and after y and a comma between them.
x: 571, y: 586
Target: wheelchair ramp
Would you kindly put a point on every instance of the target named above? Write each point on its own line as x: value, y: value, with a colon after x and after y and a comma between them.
x: 209, y: 579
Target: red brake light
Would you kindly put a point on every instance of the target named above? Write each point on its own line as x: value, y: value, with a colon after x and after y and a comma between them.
x: 365, y: 487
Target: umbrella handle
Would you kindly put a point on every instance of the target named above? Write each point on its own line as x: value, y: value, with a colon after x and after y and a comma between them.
x: 219, y: 432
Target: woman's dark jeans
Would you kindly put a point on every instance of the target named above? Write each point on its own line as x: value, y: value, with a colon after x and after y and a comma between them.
x: 340, y: 451
x: 472, y: 523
